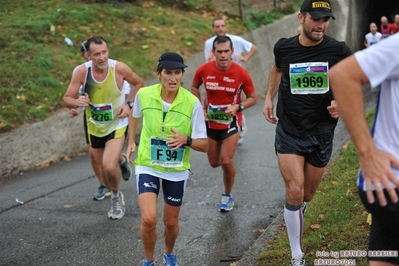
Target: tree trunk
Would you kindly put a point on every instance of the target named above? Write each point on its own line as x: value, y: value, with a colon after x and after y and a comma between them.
x: 240, y: 10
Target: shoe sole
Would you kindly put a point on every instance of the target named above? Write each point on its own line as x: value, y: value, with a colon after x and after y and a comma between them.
x: 165, y: 264
x: 114, y: 217
x: 98, y: 199
x: 108, y: 194
x: 227, y: 210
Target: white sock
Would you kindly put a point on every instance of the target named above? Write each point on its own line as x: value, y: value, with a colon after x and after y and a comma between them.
x: 293, y: 221
x: 114, y: 194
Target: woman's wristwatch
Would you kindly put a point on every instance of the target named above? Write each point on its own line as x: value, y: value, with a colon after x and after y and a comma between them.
x: 131, y: 104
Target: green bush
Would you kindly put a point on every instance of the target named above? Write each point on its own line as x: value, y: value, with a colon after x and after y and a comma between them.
x: 255, y: 18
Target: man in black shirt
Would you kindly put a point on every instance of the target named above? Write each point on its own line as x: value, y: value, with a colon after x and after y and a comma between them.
x: 307, y: 113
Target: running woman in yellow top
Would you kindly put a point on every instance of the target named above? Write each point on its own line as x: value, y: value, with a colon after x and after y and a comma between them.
x: 102, y: 79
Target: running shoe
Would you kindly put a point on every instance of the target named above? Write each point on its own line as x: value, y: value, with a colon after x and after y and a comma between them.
x: 126, y: 169
x: 169, y: 259
x: 240, y: 139
x: 117, y: 210
x: 102, y: 193
x: 146, y: 263
x: 298, y: 261
x: 226, y: 204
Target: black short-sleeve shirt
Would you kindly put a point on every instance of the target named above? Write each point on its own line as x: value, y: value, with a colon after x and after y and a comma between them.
x: 305, y: 114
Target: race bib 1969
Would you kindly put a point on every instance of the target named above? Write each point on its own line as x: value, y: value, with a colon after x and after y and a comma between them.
x: 309, y: 78
x: 163, y: 155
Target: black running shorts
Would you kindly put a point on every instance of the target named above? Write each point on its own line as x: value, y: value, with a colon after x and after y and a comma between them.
x: 384, y: 230
x: 316, y: 149
x: 221, y: 134
x: 99, y: 142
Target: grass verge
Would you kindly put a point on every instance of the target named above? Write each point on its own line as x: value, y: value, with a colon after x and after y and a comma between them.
x: 335, y: 219
x: 36, y: 63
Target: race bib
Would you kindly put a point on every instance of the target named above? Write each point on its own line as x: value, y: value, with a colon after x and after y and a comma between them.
x: 163, y: 155
x: 309, y: 78
x: 217, y: 113
x: 101, y: 113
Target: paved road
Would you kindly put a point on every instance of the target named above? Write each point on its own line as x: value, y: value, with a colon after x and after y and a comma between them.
x: 60, y: 224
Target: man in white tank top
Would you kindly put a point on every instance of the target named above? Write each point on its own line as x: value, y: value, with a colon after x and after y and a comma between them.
x: 102, y: 80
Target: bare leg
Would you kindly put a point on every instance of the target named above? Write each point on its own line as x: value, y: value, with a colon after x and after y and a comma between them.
x: 222, y: 154
x: 292, y: 169
x: 112, y: 151
x: 95, y: 165
x: 149, y: 217
x: 313, y: 177
x: 227, y: 159
x: 171, y: 221
x: 301, y: 182
x: 214, y: 153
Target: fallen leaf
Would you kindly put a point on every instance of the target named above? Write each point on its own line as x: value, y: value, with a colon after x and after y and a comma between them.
x: 68, y: 206
x: 369, y: 219
x: 321, y: 216
x: 45, y: 165
x: 315, y: 226
x: 254, y: 230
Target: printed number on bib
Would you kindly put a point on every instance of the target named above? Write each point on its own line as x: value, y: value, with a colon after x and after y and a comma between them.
x: 217, y: 113
x: 309, y: 78
x: 163, y: 155
x: 101, y: 113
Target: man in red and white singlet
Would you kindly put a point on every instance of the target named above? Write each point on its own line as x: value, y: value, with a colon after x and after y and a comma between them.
x: 224, y: 81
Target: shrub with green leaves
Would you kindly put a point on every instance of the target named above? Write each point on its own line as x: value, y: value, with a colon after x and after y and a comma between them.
x: 255, y: 18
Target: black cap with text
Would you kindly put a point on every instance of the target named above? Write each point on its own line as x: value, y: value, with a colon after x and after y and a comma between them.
x: 317, y: 9
x: 171, y: 61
